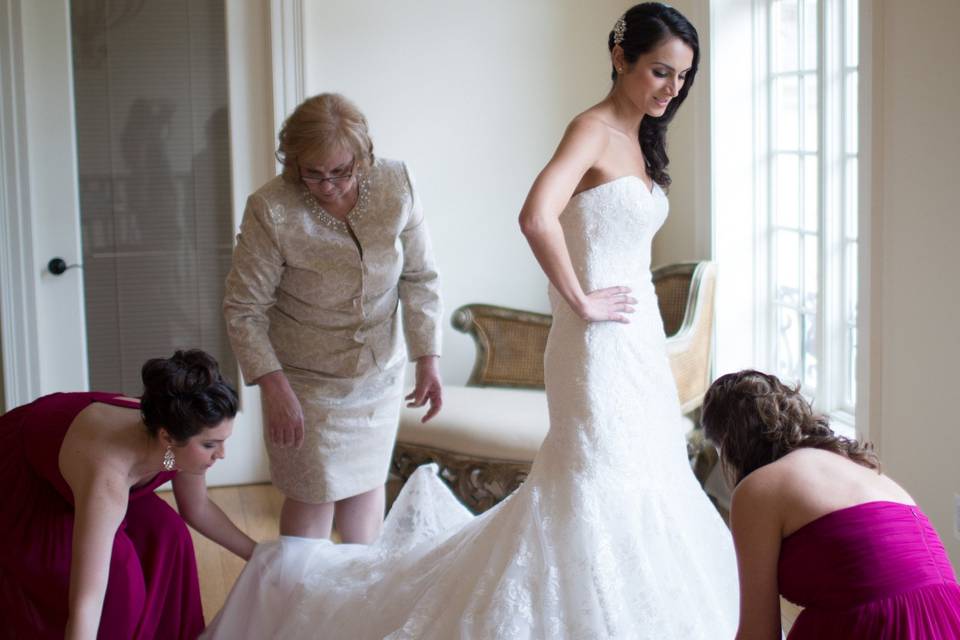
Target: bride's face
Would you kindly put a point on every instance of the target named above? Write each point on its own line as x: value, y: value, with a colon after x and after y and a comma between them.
x: 656, y: 77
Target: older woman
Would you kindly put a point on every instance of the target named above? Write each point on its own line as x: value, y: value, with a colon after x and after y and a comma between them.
x: 327, y: 251
x: 814, y: 519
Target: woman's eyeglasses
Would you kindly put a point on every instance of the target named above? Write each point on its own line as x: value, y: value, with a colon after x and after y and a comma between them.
x: 339, y: 178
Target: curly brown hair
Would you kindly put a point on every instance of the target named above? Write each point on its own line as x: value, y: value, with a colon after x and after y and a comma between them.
x: 755, y: 419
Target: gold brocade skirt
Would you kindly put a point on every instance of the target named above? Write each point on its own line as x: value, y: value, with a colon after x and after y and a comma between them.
x: 350, y: 425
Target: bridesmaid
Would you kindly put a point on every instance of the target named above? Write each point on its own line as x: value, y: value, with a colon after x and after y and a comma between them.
x: 815, y: 520
x: 87, y: 549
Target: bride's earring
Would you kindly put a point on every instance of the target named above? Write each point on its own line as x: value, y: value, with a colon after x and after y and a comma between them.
x: 169, y: 460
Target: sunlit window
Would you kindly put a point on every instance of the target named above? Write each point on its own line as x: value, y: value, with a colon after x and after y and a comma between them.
x: 810, y: 222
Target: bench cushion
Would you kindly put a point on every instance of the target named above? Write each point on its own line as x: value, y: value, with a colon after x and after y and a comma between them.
x: 482, y: 422
x: 485, y: 423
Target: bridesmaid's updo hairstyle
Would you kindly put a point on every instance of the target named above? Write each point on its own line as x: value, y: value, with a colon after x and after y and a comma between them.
x: 320, y: 126
x: 643, y: 28
x: 754, y: 419
x: 185, y: 394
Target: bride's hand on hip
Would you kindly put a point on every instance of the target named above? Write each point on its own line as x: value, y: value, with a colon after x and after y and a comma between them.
x: 607, y: 305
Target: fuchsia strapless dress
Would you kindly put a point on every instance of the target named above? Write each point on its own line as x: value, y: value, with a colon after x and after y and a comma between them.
x: 152, y: 590
x: 876, y: 571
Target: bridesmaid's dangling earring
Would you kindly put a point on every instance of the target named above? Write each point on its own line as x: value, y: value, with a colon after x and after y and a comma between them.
x: 169, y: 461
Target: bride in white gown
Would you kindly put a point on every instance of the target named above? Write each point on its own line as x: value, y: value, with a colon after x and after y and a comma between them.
x: 610, y: 536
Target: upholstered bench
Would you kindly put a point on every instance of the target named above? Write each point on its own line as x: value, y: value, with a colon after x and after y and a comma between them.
x: 489, y: 431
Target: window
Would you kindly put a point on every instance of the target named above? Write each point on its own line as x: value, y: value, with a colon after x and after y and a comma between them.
x: 793, y: 236
x: 811, y: 186
x: 793, y: 188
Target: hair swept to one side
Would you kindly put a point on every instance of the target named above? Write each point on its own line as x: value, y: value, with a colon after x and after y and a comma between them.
x: 755, y: 419
x: 645, y: 27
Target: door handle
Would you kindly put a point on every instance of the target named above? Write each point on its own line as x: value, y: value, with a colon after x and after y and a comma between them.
x: 57, y: 266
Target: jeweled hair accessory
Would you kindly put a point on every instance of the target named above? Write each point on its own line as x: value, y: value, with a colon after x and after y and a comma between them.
x: 619, y: 29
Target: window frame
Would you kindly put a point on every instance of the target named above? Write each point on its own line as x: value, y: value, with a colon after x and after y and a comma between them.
x: 741, y: 166
x: 832, y: 348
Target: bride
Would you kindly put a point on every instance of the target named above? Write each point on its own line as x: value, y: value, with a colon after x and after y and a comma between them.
x: 610, y: 536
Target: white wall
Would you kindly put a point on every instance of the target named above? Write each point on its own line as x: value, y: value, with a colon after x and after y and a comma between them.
x: 914, y: 233
x: 475, y: 98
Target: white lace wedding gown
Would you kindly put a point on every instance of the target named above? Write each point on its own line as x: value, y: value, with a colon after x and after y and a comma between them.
x: 609, y: 537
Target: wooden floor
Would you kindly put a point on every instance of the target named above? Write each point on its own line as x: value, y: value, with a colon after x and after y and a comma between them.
x: 256, y: 510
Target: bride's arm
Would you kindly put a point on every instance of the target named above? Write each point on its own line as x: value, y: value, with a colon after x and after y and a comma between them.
x: 582, y: 144
x: 203, y: 514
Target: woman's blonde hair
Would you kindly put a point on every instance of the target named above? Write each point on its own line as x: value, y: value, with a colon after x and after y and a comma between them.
x: 318, y: 127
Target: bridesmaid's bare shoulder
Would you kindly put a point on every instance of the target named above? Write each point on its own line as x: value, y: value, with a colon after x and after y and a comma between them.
x: 100, y: 441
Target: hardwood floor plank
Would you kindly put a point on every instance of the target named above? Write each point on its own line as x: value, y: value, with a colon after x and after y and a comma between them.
x: 260, y: 505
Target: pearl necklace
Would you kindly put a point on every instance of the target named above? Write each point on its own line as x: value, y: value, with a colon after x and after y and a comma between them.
x: 359, y: 209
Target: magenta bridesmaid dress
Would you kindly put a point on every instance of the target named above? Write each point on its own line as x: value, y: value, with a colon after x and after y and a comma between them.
x: 874, y: 571
x: 153, y: 591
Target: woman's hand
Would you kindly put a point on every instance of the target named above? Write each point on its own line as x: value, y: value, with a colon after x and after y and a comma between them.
x: 282, y: 410
x: 428, y: 387
x: 606, y: 305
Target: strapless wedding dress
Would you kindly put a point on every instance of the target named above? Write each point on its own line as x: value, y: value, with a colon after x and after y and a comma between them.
x: 609, y: 537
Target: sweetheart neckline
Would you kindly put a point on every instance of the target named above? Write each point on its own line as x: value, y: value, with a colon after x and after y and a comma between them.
x: 649, y: 192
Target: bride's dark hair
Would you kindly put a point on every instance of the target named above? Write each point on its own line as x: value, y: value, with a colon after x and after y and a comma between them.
x: 754, y: 419
x: 647, y: 26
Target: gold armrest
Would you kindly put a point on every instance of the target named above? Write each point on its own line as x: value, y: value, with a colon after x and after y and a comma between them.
x: 685, y: 293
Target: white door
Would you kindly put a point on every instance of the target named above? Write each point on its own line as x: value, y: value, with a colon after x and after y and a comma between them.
x: 139, y: 128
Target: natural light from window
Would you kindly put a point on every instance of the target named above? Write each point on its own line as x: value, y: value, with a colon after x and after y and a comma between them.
x: 785, y: 180
x: 811, y: 197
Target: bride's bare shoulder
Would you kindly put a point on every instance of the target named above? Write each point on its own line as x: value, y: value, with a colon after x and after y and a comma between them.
x: 586, y: 137
x: 589, y: 123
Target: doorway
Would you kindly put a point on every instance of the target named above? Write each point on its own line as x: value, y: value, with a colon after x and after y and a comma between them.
x: 133, y: 132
